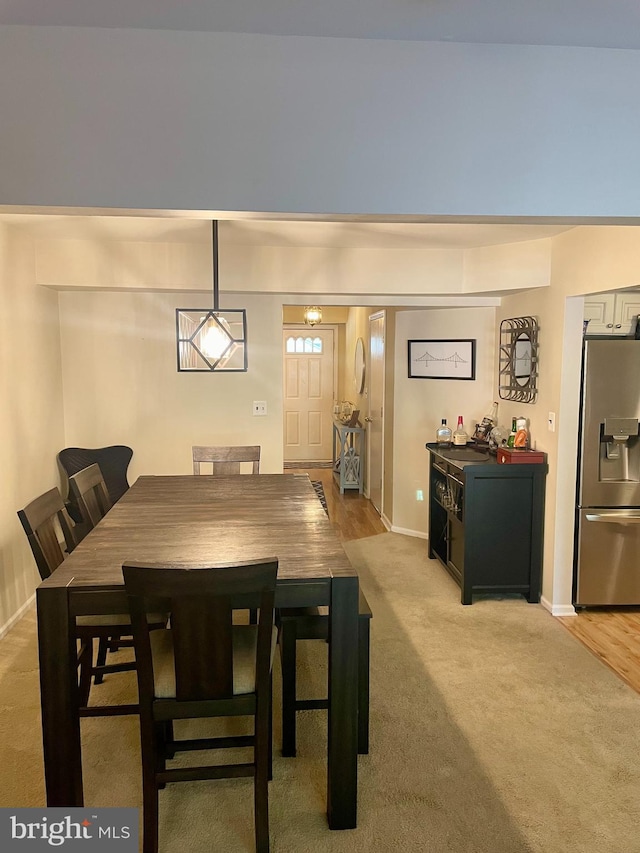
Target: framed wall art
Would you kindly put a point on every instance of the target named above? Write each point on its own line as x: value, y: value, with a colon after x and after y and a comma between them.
x: 442, y: 359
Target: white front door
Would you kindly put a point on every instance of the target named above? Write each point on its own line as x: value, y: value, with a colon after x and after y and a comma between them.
x: 309, y: 392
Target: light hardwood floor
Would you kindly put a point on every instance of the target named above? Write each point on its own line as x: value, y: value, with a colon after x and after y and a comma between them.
x: 351, y: 514
x: 611, y: 634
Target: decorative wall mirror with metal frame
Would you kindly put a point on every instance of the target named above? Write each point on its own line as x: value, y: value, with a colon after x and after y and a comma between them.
x: 518, y: 370
x: 359, y: 367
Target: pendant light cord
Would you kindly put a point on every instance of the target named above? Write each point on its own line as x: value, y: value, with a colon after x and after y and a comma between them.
x: 214, y: 228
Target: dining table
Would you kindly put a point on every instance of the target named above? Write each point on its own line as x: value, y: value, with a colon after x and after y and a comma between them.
x: 173, y: 520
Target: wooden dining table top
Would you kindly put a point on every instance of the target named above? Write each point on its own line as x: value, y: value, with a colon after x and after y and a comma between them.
x: 172, y: 520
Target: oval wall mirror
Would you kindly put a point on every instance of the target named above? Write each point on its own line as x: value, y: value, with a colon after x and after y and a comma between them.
x: 521, y: 359
x: 359, y: 366
x: 518, y: 378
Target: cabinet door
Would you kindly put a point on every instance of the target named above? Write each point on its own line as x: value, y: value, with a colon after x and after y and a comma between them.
x: 599, y: 311
x: 627, y: 308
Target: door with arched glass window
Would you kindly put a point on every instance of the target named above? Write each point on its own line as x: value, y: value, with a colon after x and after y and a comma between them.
x: 309, y: 383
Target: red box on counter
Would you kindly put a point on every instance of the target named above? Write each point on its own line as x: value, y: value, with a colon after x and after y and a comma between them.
x: 512, y: 455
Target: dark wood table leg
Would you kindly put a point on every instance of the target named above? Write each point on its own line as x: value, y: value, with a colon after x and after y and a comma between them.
x: 342, y: 783
x: 59, y: 699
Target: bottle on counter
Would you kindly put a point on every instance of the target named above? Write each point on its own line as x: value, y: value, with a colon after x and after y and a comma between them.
x: 522, y: 435
x: 443, y: 435
x: 460, y: 436
x: 511, y: 441
x: 483, y: 429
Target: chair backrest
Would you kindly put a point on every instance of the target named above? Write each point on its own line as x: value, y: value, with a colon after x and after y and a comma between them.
x: 226, y: 460
x: 89, y: 492
x: 113, y: 461
x: 201, y: 600
x: 44, y: 519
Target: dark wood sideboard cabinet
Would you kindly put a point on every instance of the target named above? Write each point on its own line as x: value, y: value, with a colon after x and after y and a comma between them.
x: 486, y: 521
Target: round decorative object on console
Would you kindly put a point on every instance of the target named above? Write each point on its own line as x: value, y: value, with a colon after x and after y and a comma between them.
x: 359, y: 366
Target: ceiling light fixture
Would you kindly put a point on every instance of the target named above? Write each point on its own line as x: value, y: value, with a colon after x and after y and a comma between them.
x: 312, y: 315
x: 213, y: 340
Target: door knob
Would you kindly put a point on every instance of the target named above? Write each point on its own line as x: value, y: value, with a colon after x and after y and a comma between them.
x: 369, y: 420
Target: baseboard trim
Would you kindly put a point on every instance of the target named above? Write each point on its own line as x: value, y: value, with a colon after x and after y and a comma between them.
x: 417, y: 534
x: 558, y: 609
x: 8, y: 625
x: 385, y: 521
x: 306, y: 464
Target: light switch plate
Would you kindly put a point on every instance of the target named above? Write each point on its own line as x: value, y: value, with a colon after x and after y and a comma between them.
x: 552, y: 421
x: 259, y: 407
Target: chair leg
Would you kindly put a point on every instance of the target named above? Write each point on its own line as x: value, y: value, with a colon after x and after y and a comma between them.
x: 261, y: 781
x: 363, y: 685
x: 86, y: 667
x: 288, y: 665
x: 149, y: 735
x: 270, y: 731
x: 103, y: 648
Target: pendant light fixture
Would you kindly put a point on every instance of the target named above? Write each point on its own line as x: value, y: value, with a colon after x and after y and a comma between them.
x: 312, y: 315
x: 215, y: 339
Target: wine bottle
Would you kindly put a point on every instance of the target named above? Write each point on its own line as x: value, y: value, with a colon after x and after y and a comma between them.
x: 460, y: 436
x: 512, y: 435
x: 443, y: 435
x: 483, y: 429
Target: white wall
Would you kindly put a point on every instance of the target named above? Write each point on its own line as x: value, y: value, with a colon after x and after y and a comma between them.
x: 218, y: 121
x: 100, y: 263
x: 121, y: 385
x: 420, y: 404
x: 31, y: 415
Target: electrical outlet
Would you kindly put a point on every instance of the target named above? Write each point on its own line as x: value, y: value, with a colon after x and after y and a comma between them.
x: 259, y: 407
x: 552, y: 422
x: 419, y: 495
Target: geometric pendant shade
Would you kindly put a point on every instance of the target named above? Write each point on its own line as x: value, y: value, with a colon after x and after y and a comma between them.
x: 212, y: 340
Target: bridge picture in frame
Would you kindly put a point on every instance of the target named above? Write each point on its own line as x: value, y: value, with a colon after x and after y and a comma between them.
x: 442, y: 359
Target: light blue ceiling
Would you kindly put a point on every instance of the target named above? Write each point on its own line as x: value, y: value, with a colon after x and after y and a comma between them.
x: 586, y: 23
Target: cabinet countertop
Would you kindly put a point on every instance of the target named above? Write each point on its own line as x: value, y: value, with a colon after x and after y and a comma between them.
x: 471, y: 455
x: 461, y: 457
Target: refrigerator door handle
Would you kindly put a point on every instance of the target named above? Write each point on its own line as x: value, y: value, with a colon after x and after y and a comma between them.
x: 632, y: 517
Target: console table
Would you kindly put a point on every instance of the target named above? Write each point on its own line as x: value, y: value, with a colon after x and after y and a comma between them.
x: 348, y: 456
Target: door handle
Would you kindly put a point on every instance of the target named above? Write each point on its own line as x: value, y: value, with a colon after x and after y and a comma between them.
x: 614, y: 517
x: 369, y: 420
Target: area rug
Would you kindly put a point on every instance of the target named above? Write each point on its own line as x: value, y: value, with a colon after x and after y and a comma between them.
x: 319, y: 490
x: 492, y: 731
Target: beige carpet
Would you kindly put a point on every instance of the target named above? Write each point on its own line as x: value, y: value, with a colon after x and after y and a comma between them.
x: 492, y: 731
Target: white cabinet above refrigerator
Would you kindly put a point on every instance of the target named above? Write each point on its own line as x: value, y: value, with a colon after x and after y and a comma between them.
x: 612, y: 313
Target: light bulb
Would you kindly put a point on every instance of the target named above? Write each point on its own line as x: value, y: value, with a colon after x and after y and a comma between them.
x: 216, y: 339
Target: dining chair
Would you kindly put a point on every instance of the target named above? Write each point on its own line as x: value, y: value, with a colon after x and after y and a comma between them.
x: 226, y: 460
x: 204, y: 665
x: 89, y: 493
x: 312, y: 623
x: 46, y: 522
x: 113, y: 461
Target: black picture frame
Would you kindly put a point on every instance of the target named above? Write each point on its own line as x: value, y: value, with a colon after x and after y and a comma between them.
x: 437, y: 358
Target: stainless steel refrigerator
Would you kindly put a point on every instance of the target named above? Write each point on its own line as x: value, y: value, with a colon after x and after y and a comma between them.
x: 608, y: 504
